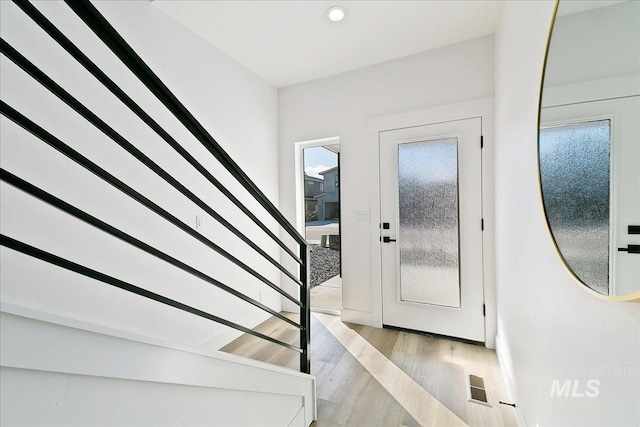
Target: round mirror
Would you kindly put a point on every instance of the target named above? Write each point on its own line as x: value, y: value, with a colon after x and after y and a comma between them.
x: 589, y: 143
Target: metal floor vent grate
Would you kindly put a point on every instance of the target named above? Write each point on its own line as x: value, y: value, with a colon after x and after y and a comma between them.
x: 477, y: 392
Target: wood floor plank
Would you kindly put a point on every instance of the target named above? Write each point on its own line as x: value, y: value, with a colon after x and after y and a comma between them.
x: 349, y: 395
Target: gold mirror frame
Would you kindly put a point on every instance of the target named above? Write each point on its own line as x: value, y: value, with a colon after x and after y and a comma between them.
x: 623, y: 298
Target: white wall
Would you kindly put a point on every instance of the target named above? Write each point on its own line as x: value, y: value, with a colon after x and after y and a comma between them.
x: 238, y: 109
x: 548, y: 327
x: 585, y: 48
x: 340, y: 106
x: 77, y: 374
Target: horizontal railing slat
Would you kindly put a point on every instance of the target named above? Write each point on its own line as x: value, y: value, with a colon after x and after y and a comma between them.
x: 79, y: 56
x: 103, y: 29
x: 44, y: 196
x: 76, y: 105
x: 66, y: 97
x: 54, y: 142
x: 32, y: 251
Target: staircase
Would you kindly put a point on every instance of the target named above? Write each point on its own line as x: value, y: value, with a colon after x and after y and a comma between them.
x: 114, y: 301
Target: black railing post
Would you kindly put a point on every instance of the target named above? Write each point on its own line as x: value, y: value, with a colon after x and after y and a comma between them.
x: 305, y: 311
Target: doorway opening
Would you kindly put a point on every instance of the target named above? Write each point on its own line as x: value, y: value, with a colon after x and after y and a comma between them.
x: 319, y: 220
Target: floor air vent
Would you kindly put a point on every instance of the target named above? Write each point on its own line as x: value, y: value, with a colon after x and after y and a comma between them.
x: 477, y: 392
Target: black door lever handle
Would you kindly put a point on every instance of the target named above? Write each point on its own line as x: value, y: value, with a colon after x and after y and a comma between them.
x: 387, y: 239
x: 632, y: 249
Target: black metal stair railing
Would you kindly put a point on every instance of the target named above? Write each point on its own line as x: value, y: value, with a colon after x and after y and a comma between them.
x: 101, y: 27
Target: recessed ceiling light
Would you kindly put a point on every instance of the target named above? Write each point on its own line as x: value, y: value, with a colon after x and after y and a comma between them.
x: 336, y: 13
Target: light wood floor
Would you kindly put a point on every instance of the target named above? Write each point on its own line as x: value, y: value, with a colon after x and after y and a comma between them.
x: 349, y: 395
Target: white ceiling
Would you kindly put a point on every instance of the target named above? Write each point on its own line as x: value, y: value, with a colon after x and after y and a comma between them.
x: 290, y: 42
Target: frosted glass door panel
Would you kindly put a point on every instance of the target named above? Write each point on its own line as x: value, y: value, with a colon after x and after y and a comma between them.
x: 428, y: 222
x: 574, y: 170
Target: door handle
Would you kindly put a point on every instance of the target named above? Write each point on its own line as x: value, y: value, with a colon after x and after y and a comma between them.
x: 634, y: 229
x: 387, y: 239
x: 632, y: 249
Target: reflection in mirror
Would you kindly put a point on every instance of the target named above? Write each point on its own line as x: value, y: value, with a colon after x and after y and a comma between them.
x: 576, y: 195
x: 589, y: 143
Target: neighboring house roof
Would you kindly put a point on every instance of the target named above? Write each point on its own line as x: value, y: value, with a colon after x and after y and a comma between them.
x: 312, y: 178
x: 328, y: 170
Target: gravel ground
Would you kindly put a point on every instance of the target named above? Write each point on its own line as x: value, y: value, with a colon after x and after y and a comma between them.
x: 325, y: 263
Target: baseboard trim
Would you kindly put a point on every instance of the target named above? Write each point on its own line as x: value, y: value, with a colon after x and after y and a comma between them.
x: 325, y: 311
x: 358, y: 317
x: 504, y: 360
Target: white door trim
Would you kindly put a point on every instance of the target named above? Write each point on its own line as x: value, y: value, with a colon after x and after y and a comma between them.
x: 483, y: 108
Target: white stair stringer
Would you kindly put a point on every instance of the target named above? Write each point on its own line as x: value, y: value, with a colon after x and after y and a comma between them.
x: 61, y: 371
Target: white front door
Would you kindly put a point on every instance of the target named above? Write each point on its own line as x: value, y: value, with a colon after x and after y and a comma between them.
x: 431, y: 212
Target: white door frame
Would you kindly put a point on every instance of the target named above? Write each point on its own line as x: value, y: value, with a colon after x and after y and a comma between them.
x: 482, y: 108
